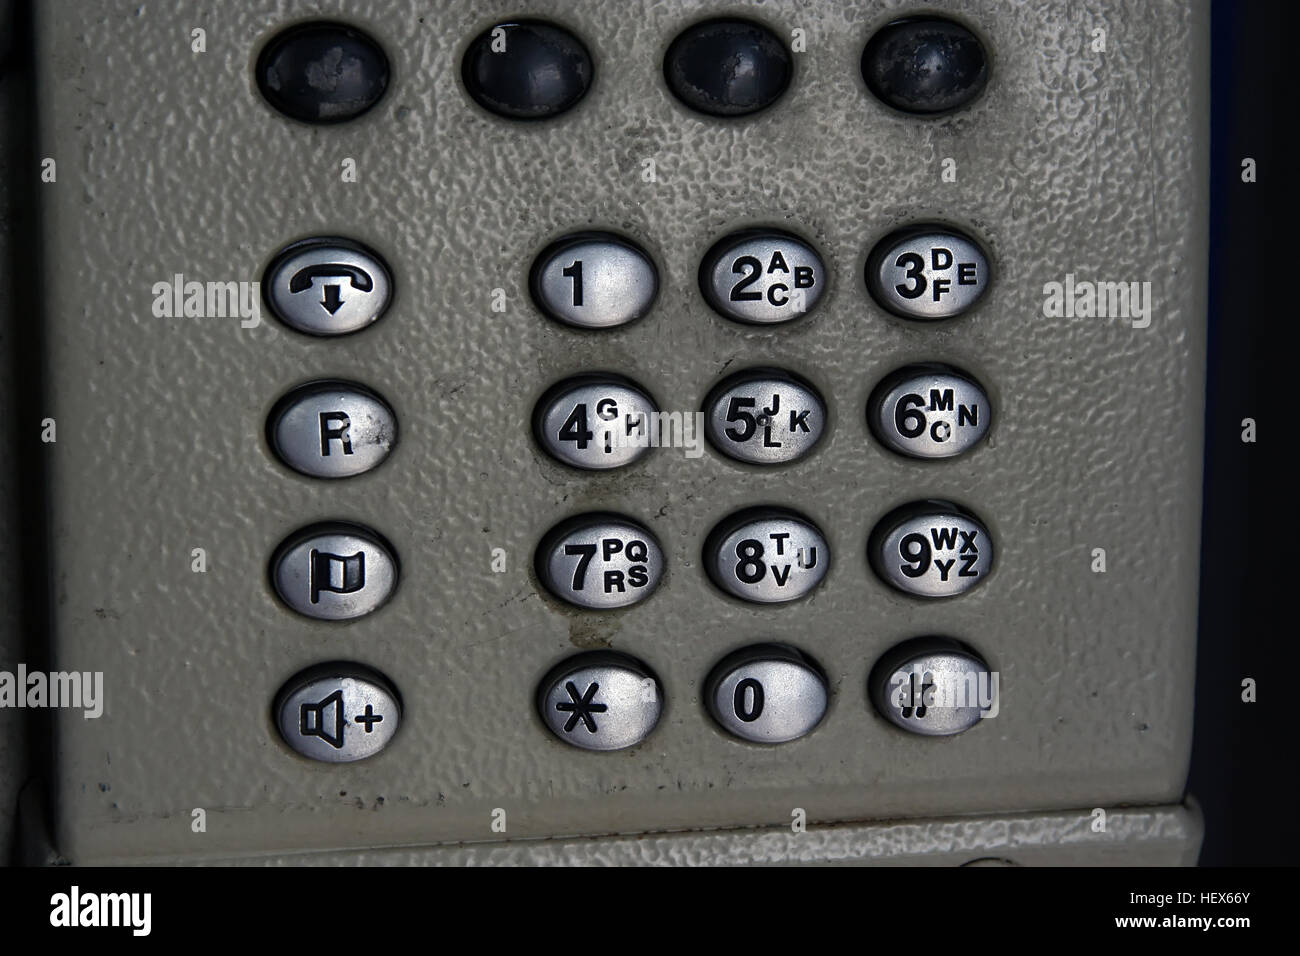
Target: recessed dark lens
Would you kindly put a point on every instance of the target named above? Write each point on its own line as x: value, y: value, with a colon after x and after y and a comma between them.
x: 322, y: 72
x: 527, y: 70
x: 925, y: 65
x: 728, y: 67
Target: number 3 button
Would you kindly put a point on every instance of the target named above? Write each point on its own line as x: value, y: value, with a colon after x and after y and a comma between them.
x: 594, y: 280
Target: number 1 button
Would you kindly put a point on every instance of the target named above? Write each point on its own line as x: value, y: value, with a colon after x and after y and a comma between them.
x: 594, y: 280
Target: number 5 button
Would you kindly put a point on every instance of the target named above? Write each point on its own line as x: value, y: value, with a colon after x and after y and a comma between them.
x: 767, y: 694
x: 594, y: 280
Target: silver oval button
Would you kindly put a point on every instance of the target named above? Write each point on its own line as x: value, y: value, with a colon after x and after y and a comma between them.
x: 596, y: 421
x: 764, y: 416
x: 762, y: 277
x: 327, y: 286
x: 927, y: 272
x: 929, y: 411
x: 934, y: 686
x: 334, y: 571
x: 931, y: 549
x: 338, y: 712
x: 600, y: 700
x: 332, y: 429
x: 600, y: 561
x: 767, y: 694
x: 594, y: 280
x: 766, y: 555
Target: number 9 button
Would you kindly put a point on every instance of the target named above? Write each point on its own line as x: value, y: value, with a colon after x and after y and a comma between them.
x: 767, y: 694
x: 931, y: 549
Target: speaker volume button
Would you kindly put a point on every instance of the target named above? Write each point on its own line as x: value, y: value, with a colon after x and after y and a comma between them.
x: 338, y: 712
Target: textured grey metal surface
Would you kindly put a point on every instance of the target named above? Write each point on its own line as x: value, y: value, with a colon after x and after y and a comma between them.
x: 1073, y: 162
x: 1148, y: 836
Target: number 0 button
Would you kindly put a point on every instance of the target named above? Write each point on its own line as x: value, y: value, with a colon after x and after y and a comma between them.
x: 762, y: 277
x: 767, y: 694
x: 594, y: 280
x: 766, y: 555
x: 600, y: 700
x: 600, y: 561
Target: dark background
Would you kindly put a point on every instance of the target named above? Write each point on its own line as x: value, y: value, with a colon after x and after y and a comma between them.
x: 1243, y: 760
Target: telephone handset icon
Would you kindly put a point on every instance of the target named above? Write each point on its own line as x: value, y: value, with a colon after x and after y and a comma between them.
x: 359, y: 278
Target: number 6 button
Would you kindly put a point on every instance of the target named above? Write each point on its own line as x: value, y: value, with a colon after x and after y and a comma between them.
x: 594, y: 280
x: 767, y: 694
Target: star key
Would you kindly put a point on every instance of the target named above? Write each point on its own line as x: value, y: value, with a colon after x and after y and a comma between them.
x: 581, y: 707
x: 621, y: 689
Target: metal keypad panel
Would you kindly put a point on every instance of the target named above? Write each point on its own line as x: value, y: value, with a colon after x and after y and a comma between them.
x: 453, y: 199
